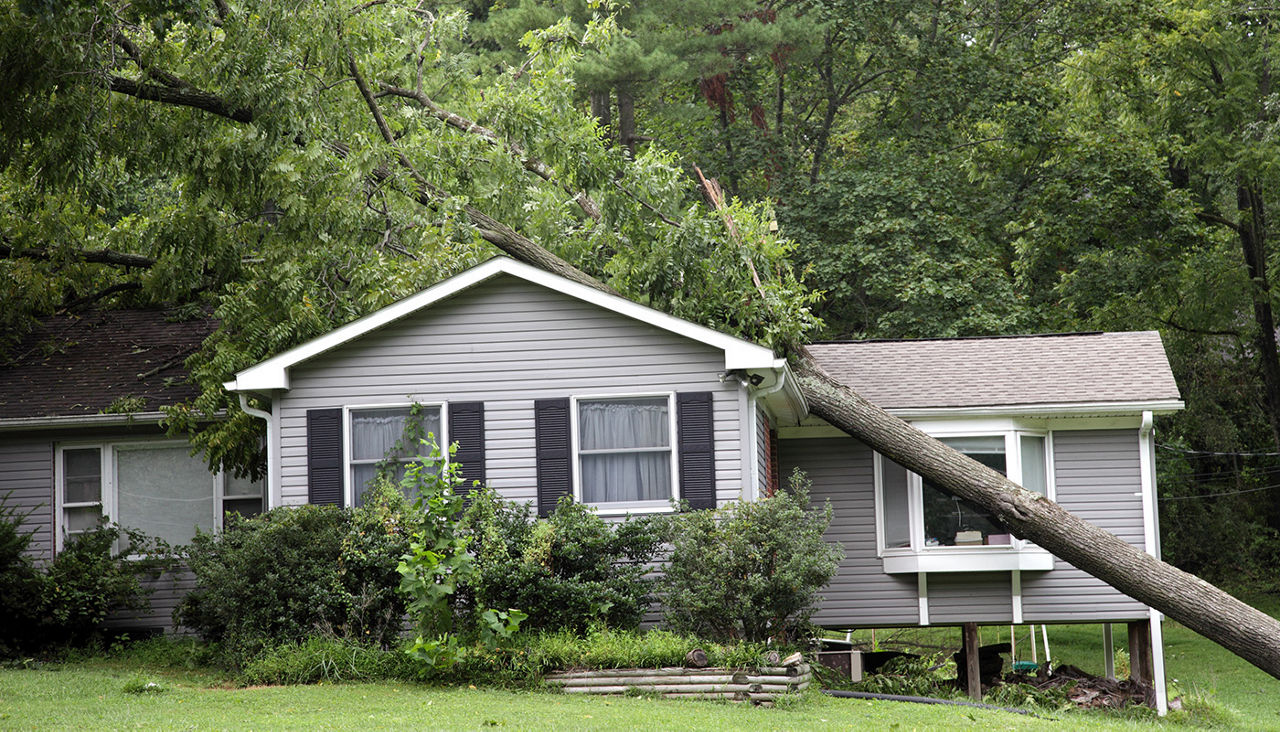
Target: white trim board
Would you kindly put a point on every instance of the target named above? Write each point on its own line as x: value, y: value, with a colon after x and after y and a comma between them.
x: 274, y: 372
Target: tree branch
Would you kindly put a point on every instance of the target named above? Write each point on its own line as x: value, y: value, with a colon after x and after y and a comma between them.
x: 491, y: 230
x: 515, y: 149
x: 97, y: 256
x: 1214, y: 218
x: 100, y: 295
x: 189, y: 96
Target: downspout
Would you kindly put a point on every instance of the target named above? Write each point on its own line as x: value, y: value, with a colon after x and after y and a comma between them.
x: 272, y: 459
x: 756, y: 396
x: 1151, y: 526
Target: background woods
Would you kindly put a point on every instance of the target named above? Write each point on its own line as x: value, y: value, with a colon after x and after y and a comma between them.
x: 891, y: 169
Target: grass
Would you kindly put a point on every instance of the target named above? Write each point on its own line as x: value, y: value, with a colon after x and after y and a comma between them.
x: 165, y: 686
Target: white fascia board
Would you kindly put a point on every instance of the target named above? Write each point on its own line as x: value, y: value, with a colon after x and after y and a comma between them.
x: 273, y: 373
x: 1080, y: 409
x: 985, y: 560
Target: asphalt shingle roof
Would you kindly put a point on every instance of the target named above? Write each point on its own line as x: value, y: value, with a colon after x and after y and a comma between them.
x: 79, y: 365
x: 999, y: 371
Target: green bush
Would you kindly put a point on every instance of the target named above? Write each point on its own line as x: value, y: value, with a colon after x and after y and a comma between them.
x: 566, y: 572
x: 65, y: 602
x: 749, y: 571
x: 21, y: 585
x: 293, y: 572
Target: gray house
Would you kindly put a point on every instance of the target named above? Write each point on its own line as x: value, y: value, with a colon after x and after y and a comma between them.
x: 81, y: 438
x: 551, y: 389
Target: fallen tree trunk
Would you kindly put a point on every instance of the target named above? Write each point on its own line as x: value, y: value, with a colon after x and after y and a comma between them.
x: 1241, y: 629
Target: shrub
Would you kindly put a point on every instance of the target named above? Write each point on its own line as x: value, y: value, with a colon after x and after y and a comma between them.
x: 21, y: 585
x: 97, y: 572
x: 566, y: 572
x: 66, y: 601
x: 296, y: 571
x: 749, y: 571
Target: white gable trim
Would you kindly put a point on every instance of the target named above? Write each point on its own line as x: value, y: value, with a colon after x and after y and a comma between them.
x: 274, y: 372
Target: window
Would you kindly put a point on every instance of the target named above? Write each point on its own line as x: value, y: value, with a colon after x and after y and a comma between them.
x: 624, y: 452
x: 923, y: 527
x: 156, y: 487
x: 381, y: 437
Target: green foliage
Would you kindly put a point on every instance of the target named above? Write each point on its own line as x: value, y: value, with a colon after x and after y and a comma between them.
x: 438, y: 562
x: 328, y: 659
x: 65, y: 602
x: 569, y: 571
x: 750, y: 571
x: 143, y: 685
x: 296, y: 571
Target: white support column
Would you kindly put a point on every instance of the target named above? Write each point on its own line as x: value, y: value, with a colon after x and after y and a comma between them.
x: 1016, y: 582
x: 1157, y: 663
x: 922, y: 583
x: 1108, y: 652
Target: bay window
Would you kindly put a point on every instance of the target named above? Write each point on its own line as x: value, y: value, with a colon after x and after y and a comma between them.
x: 156, y: 487
x: 623, y: 449
x: 923, y: 527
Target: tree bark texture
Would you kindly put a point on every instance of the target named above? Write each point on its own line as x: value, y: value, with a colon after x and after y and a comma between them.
x: 627, y: 121
x: 1249, y: 633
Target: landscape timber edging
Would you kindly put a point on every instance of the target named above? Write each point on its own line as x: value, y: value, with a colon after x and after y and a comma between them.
x: 761, y: 684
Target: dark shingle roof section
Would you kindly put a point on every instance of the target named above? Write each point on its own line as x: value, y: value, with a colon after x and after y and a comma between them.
x: 1004, y: 371
x: 80, y: 365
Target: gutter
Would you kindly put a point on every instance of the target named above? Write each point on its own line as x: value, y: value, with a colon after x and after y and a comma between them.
x: 80, y: 420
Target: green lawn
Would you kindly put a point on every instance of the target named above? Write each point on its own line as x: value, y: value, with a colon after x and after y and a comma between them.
x: 91, y: 695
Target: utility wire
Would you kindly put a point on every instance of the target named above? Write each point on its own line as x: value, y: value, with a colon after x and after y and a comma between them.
x: 1171, y: 448
x: 1217, y: 495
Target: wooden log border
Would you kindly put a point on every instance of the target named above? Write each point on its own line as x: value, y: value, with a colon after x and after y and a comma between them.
x: 763, y: 684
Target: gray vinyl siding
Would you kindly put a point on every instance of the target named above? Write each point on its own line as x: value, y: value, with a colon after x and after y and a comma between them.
x: 166, y: 591
x: 970, y: 597
x: 861, y: 594
x: 26, y: 486
x: 762, y: 452
x: 1098, y: 478
x: 507, y: 342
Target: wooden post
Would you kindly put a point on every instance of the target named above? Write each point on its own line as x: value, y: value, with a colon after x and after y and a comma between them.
x: 1108, y: 652
x: 1140, y: 664
x: 972, y: 668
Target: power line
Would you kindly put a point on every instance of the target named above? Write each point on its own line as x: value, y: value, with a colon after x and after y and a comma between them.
x: 1171, y: 448
x: 1217, y: 495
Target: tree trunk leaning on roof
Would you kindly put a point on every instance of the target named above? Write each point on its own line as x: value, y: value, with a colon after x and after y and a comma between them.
x: 1247, y: 632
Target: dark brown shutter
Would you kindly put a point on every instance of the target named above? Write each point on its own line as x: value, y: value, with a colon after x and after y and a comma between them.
x: 324, y: 457
x: 466, y: 427
x: 696, y: 425
x: 554, y: 458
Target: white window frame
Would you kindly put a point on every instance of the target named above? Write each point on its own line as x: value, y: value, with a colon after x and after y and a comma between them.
x: 617, y: 508
x: 1017, y: 555
x: 442, y: 439
x: 109, y: 489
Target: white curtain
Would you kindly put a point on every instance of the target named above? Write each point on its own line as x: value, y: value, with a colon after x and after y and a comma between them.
x: 897, y: 521
x: 164, y: 492
x: 622, y: 425
x: 374, y: 434
x: 1034, y: 467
